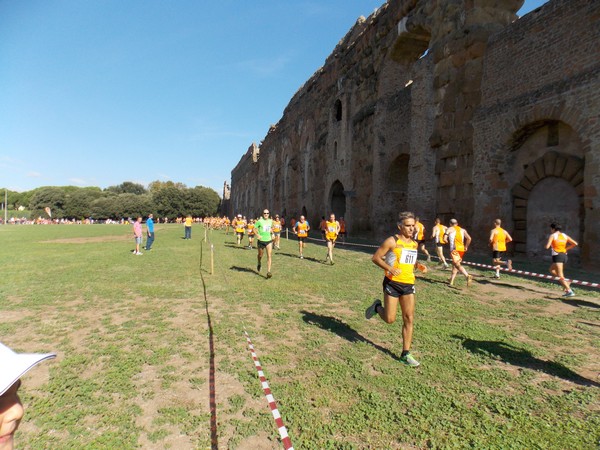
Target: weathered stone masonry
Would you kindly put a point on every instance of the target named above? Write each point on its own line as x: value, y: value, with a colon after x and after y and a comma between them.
x: 449, y: 108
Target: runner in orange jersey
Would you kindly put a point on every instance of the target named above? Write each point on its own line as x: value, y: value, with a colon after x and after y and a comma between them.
x: 397, y: 256
x: 332, y: 229
x: 342, y: 229
x: 420, y: 237
x: 499, y: 237
x: 250, y: 233
x: 459, y: 241
x: 277, y: 226
x: 560, y: 244
x: 301, y: 229
x: 439, y: 237
x: 239, y: 225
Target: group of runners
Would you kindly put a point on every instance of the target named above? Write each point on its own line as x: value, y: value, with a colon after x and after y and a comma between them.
x: 398, y: 257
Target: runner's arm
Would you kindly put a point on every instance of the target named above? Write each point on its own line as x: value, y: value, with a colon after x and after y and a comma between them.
x: 379, y: 256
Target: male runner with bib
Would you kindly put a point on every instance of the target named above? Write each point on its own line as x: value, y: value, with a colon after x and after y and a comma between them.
x: 397, y: 256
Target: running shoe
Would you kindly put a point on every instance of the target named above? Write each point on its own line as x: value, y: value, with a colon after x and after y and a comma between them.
x: 258, y: 267
x: 469, y: 280
x: 372, y: 310
x: 269, y: 275
x: 569, y: 293
x: 409, y: 360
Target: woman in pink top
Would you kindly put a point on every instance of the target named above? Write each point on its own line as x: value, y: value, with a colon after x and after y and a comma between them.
x: 137, y: 233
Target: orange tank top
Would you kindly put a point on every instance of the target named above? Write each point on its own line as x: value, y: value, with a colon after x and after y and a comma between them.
x: 404, y: 257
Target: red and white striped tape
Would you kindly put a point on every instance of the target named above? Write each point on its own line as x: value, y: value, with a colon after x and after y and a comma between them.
x: 533, y: 274
x: 285, y: 439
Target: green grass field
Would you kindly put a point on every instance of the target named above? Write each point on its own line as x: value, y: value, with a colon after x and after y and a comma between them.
x: 506, y: 364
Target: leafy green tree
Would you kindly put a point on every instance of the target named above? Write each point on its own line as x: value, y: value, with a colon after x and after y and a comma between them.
x: 106, y: 207
x: 48, y: 196
x: 128, y: 187
x: 157, y: 185
x: 78, y: 202
x: 169, y: 201
x: 132, y: 205
x: 202, y: 201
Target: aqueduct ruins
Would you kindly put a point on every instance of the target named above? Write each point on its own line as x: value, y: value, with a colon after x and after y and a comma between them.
x: 450, y: 109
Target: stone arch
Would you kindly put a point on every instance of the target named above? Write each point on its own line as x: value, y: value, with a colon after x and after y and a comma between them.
x: 517, y: 128
x: 561, y: 177
x: 337, y: 199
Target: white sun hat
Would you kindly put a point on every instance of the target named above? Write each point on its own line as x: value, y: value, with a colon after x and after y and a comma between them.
x: 14, y: 365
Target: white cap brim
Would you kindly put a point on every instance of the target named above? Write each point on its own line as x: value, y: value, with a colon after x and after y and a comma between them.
x: 14, y: 365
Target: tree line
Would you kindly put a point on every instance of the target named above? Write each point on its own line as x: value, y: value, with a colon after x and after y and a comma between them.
x: 128, y: 199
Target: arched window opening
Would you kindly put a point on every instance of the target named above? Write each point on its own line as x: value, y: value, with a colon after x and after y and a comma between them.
x: 338, y: 110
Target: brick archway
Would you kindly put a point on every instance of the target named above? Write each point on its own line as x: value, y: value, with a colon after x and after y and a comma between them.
x: 552, y: 164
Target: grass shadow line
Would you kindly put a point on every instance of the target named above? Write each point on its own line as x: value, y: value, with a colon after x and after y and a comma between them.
x: 234, y: 245
x: 242, y: 269
x: 580, y: 303
x: 343, y: 330
x: 523, y: 358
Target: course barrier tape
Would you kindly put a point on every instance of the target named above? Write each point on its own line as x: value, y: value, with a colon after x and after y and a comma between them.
x: 285, y: 439
x: 487, y: 266
x: 533, y: 274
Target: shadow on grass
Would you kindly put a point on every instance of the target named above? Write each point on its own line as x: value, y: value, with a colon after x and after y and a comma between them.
x: 342, y: 329
x: 234, y: 245
x: 579, y: 303
x: 523, y: 358
x: 242, y: 269
x: 494, y: 281
x: 290, y: 255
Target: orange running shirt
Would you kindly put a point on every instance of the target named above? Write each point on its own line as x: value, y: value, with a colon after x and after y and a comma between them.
x: 403, y: 257
x: 499, y: 239
x: 331, y: 230
x: 559, y: 243
x: 302, y: 229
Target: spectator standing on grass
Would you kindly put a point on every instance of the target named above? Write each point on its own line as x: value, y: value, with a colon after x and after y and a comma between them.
x: 397, y: 256
x: 459, y: 241
x: 499, y: 237
x: 187, y: 227
x: 12, y: 367
x: 264, y: 231
x: 137, y: 234
x: 560, y: 244
x: 149, y: 232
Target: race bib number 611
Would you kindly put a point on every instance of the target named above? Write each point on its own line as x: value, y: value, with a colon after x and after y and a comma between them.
x: 408, y: 256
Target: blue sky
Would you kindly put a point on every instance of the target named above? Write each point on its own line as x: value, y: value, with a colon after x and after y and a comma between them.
x: 98, y: 92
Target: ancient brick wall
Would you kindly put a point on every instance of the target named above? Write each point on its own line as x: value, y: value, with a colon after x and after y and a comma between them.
x: 537, y: 133
x: 446, y: 108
